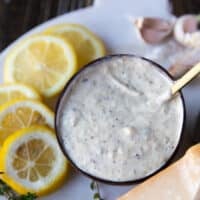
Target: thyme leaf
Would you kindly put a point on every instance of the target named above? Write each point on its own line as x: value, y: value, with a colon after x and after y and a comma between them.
x: 95, y: 187
x: 7, y: 192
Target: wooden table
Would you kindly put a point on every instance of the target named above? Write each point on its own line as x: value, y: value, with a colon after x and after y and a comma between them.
x: 19, y: 16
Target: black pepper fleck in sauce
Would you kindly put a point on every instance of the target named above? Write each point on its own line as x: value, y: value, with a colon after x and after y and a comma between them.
x: 84, y: 80
x: 137, y: 156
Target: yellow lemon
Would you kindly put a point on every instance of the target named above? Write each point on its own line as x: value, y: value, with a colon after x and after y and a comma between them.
x: 17, y: 91
x: 44, y: 62
x: 87, y: 45
x: 18, y: 114
x: 32, y: 161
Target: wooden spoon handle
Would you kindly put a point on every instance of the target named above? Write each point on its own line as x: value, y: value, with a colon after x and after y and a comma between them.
x: 185, y: 79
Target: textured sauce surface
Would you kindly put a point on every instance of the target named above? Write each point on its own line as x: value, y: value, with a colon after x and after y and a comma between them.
x: 116, y: 122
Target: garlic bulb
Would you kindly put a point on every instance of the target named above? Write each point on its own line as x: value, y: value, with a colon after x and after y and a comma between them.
x: 186, y: 31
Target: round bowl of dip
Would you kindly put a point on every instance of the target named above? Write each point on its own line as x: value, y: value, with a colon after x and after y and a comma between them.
x: 115, y: 120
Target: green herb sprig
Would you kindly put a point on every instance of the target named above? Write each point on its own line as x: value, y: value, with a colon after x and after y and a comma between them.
x: 95, y: 187
x: 7, y: 192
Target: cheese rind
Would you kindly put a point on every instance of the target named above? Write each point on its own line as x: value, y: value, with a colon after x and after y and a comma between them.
x: 180, y: 181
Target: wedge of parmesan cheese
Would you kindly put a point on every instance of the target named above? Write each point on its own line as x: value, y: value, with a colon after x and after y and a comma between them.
x: 180, y: 181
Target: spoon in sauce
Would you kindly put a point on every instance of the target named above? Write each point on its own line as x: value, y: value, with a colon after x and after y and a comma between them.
x: 185, y: 79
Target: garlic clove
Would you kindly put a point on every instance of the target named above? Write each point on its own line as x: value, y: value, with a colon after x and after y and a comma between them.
x: 186, y: 31
x: 153, y: 30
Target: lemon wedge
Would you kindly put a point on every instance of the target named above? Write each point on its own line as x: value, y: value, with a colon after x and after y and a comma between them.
x: 18, y: 114
x: 17, y: 91
x: 42, y: 61
x: 87, y: 45
x: 32, y: 161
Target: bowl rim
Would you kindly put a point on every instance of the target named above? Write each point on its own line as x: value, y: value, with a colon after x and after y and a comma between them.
x: 60, y: 141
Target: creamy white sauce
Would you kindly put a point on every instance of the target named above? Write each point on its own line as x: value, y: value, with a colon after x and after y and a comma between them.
x: 115, y: 121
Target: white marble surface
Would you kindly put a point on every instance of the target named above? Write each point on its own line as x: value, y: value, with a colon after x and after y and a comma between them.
x: 110, y: 19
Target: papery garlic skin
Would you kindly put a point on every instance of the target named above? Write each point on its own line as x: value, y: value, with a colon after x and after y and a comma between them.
x: 183, y: 61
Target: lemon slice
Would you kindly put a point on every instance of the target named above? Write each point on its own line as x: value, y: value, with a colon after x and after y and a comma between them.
x: 17, y: 91
x: 32, y: 161
x: 42, y: 61
x: 18, y: 114
x: 87, y: 45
